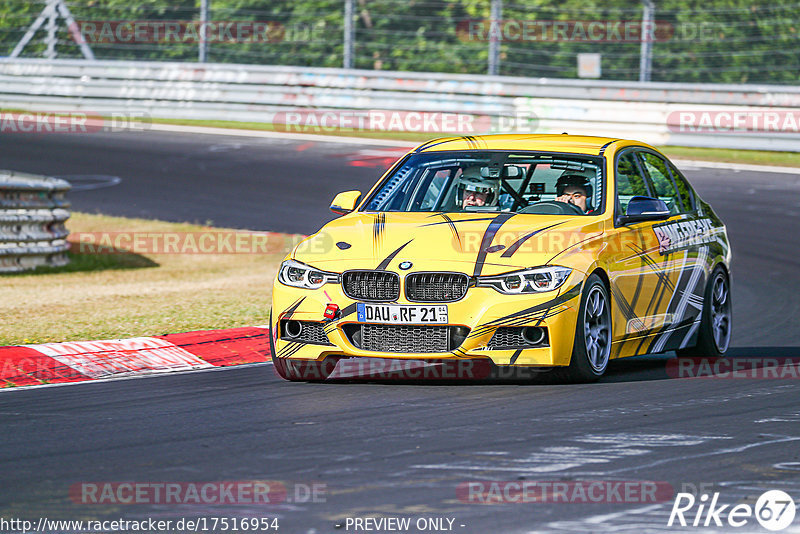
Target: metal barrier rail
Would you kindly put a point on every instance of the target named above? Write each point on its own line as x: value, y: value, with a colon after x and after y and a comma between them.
x: 33, y: 210
x: 645, y: 111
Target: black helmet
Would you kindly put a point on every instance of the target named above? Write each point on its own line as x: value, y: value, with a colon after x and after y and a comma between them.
x: 573, y: 180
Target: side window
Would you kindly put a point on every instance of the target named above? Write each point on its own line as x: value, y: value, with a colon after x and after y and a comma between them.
x: 684, y: 189
x: 629, y: 180
x: 661, y: 182
x: 434, y: 190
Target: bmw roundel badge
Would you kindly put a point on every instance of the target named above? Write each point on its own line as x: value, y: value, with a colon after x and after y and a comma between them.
x: 406, y: 265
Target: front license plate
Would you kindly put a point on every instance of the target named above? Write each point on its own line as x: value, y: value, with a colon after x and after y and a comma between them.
x: 401, y: 314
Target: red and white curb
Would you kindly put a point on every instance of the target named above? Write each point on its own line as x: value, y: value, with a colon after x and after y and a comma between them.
x: 78, y: 361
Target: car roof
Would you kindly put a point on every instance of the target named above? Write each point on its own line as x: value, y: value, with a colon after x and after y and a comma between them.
x: 580, y: 144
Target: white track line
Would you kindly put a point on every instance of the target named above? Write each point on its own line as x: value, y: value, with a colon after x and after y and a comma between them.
x: 133, y: 377
x: 277, y: 135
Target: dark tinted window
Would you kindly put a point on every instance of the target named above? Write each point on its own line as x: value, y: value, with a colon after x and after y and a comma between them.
x: 661, y: 181
x: 684, y: 189
x: 630, y: 181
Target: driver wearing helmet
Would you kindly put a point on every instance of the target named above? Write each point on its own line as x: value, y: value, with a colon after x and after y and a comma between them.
x: 574, y: 189
x: 475, y: 190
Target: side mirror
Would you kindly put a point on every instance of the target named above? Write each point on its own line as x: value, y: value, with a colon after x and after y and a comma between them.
x: 345, y: 202
x: 644, y: 209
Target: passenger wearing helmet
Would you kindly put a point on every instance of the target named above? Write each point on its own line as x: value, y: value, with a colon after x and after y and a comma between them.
x: 474, y: 190
x: 574, y: 189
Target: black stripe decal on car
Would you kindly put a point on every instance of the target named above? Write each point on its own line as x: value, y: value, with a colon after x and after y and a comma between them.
x: 378, y: 227
x: 605, y: 146
x: 385, y: 263
x: 435, y: 142
x: 517, y: 321
x: 290, y: 348
x: 640, y: 278
x: 488, y: 236
x: 518, y: 243
x: 448, y: 220
x: 290, y: 310
x: 453, y: 229
x: 563, y: 298
x: 623, y: 304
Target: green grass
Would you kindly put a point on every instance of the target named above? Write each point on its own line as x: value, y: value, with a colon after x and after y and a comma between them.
x: 92, y: 262
x: 755, y: 157
x: 127, y: 293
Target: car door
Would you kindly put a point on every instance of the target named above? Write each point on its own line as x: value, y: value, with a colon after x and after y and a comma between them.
x: 683, y: 253
x: 644, y: 270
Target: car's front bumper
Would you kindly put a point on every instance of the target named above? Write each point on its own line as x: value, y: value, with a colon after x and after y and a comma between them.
x: 482, y: 310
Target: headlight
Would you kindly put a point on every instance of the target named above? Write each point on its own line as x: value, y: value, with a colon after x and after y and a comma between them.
x: 296, y: 274
x: 537, y: 280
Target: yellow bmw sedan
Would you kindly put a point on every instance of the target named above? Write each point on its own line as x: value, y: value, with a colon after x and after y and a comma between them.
x: 552, y: 252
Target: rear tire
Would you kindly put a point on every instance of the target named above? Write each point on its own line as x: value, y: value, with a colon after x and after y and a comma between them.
x: 591, y: 350
x: 714, y: 334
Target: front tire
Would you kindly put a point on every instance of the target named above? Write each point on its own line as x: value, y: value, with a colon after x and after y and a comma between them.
x: 591, y: 349
x: 303, y: 370
x: 714, y: 334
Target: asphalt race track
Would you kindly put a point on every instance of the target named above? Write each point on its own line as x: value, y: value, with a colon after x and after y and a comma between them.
x: 231, y: 181
x: 400, y: 449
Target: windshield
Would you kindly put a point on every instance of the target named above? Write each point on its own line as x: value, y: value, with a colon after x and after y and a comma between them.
x: 523, y: 182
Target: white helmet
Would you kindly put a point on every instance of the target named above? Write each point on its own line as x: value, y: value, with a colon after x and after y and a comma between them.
x: 472, y: 180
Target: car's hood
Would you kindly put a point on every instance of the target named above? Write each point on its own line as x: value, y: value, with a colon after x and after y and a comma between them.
x: 474, y: 243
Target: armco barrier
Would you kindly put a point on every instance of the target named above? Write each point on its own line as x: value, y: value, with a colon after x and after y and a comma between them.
x: 645, y: 111
x: 33, y: 210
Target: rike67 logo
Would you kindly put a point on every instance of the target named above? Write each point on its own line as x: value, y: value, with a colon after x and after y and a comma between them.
x: 774, y: 510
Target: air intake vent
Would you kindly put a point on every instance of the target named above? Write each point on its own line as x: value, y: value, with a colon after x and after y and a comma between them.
x: 523, y: 337
x: 436, y: 287
x: 304, y: 331
x: 406, y: 338
x: 379, y: 286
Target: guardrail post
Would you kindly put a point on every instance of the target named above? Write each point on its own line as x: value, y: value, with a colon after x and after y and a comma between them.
x: 202, y: 49
x: 349, y: 37
x: 51, y: 34
x: 495, y: 29
x: 646, y: 54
